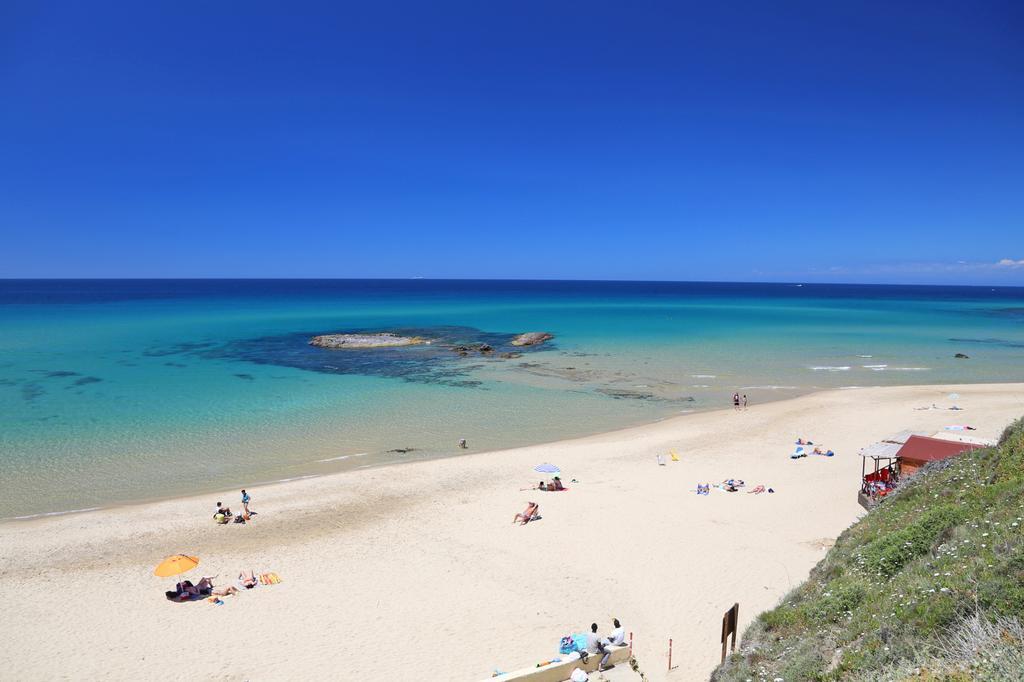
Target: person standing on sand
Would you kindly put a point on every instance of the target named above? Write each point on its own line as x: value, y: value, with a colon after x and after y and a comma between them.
x: 245, y: 501
x: 744, y: 401
x: 736, y: 401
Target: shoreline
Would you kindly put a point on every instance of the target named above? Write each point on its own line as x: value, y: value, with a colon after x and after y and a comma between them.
x: 428, y: 550
x: 303, y: 473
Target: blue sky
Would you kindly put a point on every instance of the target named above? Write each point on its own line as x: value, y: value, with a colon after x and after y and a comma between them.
x: 806, y: 141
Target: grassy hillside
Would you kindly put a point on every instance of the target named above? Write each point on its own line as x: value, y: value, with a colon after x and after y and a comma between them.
x: 928, y: 586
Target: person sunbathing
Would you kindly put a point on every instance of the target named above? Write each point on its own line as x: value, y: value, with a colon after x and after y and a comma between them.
x: 247, y: 580
x: 556, y: 484
x: 801, y: 441
x: 186, y: 589
x: 224, y: 591
x: 757, y: 490
x: 542, y: 486
x: 528, y: 514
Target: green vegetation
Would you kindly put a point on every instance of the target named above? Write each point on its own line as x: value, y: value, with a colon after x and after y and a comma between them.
x: 930, y: 586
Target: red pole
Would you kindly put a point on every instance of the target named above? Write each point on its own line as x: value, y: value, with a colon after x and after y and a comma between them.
x: 670, y: 655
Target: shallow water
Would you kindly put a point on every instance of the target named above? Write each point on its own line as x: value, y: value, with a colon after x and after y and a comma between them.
x: 128, y: 390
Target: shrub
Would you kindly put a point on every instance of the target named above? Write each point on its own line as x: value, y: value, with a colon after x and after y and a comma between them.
x: 889, y: 553
x: 928, y: 586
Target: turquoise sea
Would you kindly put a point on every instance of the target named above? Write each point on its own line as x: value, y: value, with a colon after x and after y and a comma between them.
x: 117, y: 391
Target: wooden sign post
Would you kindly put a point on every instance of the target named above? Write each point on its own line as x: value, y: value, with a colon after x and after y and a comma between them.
x: 730, y: 622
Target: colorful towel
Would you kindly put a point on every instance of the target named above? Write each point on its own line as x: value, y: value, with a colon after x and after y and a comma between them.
x: 269, y: 579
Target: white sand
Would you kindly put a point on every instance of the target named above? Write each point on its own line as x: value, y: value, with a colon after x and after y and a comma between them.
x: 416, y: 573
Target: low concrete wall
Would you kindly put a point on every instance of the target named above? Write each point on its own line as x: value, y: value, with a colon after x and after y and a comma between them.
x: 558, y: 672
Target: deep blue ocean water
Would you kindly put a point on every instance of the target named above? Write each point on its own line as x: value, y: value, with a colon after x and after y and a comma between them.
x: 112, y: 391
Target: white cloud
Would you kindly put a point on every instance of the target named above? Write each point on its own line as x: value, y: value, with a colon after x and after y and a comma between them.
x: 1010, y: 263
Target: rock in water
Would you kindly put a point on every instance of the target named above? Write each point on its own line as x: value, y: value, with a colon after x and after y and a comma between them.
x: 532, y: 338
x: 960, y: 356
x: 362, y: 341
x: 465, y: 350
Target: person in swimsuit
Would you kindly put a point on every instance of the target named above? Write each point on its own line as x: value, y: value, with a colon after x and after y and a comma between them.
x: 527, y: 514
x: 246, y: 580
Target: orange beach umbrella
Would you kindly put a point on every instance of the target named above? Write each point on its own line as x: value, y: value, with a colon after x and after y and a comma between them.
x: 173, y: 565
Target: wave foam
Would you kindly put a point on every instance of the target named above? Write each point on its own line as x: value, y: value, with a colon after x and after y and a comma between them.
x: 294, y: 478
x: 826, y: 368
x: 56, y: 513
x: 886, y: 368
x: 338, y: 459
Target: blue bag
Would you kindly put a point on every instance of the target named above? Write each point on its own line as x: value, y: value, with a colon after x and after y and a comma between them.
x: 567, y: 645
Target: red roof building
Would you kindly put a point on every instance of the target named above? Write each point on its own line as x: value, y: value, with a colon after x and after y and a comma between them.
x: 919, y: 450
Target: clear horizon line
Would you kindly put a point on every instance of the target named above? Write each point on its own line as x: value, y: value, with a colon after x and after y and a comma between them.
x: 499, y: 279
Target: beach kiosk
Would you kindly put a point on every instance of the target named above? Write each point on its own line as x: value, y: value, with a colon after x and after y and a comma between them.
x: 919, y: 450
x: 885, y: 463
x: 879, y: 471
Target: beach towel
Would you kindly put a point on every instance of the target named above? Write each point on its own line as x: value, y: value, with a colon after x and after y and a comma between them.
x: 674, y: 456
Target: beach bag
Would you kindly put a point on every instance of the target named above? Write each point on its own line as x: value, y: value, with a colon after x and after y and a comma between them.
x: 567, y: 645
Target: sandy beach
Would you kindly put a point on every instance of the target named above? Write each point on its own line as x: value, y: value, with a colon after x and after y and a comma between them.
x: 414, y: 572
